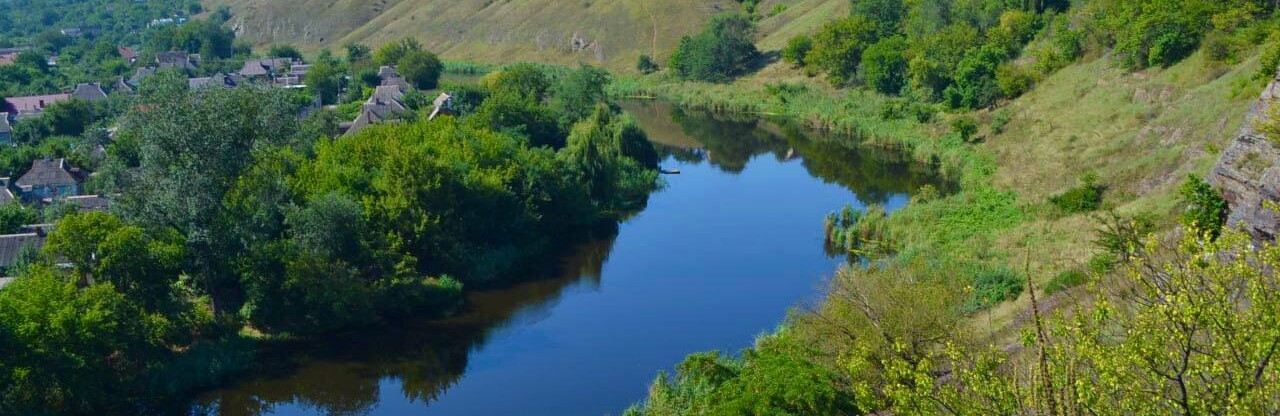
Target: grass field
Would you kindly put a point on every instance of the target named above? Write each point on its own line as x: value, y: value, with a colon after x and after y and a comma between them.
x: 513, y: 30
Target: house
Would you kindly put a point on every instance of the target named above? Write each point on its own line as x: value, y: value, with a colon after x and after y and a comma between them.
x: 174, y: 59
x: 6, y: 130
x: 443, y: 106
x: 10, y: 55
x: 89, y: 92
x: 86, y: 203
x: 123, y: 87
x: 267, y: 68
x: 31, y: 106
x: 49, y: 179
x: 390, y: 76
x: 129, y: 55
x: 384, y: 105
x: 71, y: 31
x: 12, y: 246
x: 216, y: 80
x: 299, y: 70
x: 141, y: 74
x: 6, y: 191
x: 387, y: 71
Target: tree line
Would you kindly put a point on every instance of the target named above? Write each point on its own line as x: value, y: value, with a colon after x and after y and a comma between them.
x: 235, y: 220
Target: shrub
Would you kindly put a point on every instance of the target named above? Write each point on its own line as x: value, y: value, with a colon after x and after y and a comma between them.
x: 646, y: 65
x: 797, y: 50
x: 722, y: 51
x: 1102, y: 263
x: 965, y: 126
x: 1122, y: 236
x: 1269, y: 61
x: 1013, y: 80
x: 992, y: 286
x: 1084, y: 198
x: 884, y: 65
x: 1206, y: 210
x: 837, y: 48
x: 1065, y: 280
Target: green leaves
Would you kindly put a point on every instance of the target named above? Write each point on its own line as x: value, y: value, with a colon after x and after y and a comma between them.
x: 723, y: 50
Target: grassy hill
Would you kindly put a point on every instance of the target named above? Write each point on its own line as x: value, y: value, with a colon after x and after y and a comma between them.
x: 509, y: 30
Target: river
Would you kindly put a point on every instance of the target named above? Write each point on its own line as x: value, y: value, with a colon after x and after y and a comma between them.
x: 718, y: 257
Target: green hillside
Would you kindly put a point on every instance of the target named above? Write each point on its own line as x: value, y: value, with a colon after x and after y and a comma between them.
x: 509, y: 30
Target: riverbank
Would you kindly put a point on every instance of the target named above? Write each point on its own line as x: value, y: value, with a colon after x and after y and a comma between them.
x: 1141, y: 133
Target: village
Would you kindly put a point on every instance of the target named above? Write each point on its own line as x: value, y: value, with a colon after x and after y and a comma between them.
x: 57, y: 182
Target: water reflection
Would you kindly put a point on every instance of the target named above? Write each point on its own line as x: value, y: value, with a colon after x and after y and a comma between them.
x: 715, y: 259
x: 347, y: 375
x: 729, y: 143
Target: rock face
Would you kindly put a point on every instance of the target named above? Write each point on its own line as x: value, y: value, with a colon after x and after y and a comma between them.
x: 1248, y: 173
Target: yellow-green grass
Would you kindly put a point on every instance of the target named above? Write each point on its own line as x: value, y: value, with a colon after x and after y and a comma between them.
x: 512, y: 30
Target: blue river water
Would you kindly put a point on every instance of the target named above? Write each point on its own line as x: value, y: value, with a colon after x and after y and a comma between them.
x: 719, y: 256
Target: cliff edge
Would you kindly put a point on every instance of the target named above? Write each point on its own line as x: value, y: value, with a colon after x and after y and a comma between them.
x: 1248, y: 173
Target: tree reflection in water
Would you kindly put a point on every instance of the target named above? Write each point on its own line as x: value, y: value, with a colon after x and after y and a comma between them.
x: 348, y: 374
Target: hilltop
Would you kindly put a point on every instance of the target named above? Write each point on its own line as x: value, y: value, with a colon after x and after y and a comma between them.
x: 612, y: 32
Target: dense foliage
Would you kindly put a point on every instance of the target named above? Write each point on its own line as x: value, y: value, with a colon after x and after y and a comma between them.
x: 231, y: 211
x: 723, y: 50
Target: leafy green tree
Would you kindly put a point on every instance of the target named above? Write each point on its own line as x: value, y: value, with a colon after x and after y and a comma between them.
x: 32, y: 59
x: 391, y: 53
x: 523, y: 79
x: 102, y: 248
x: 171, y: 187
x: 70, y: 117
x: 646, y: 65
x: 421, y: 68
x: 887, y: 14
x: 284, y: 51
x: 519, y: 116
x: 884, y: 65
x: 975, y: 79
x: 837, y: 47
x: 612, y: 156
x: 934, y: 58
x: 723, y: 50
x: 797, y: 50
x: 324, y: 80
x: 578, y: 93
x: 70, y: 350
x: 1206, y: 211
x: 357, y: 52
x: 14, y: 215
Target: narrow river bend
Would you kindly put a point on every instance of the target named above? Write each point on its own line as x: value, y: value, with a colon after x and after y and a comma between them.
x: 717, y: 258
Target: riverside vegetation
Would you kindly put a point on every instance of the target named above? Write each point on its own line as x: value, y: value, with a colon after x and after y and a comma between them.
x: 235, y: 222
x: 1075, y: 130
x: 1075, y: 271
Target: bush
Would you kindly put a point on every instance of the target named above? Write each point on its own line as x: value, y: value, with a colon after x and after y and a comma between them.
x: 992, y: 286
x: 1013, y: 80
x: 797, y: 50
x: 884, y: 65
x: 1084, y: 198
x: 837, y: 48
x: 646, y: 65
x: 966, y: 127
x: 722, y: 51
x: 1269, y: 61
x: 1065, y: 280
x: 1206, y: 210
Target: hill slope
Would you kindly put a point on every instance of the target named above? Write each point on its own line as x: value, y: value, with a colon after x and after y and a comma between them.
x: 614, y: 32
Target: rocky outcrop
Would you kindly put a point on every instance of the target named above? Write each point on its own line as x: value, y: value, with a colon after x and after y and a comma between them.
x: 1248, y: 173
